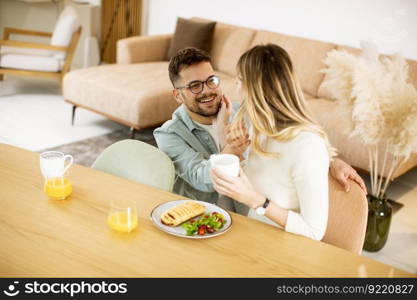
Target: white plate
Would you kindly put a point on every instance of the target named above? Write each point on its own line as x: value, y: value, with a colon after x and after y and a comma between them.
x: 178, y: 230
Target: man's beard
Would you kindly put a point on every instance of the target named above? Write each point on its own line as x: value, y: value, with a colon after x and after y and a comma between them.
x: 197, y: 110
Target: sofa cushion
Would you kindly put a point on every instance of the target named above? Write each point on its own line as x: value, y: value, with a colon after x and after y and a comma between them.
x: 30, y: 62
x: 191, y: 33
x: 350, y: 149
x: 140, y: 94
x: 308, y: 96
x: 412, y: 72
x: 228, y: 85
x: 229, y: 43
x: 306, y: 55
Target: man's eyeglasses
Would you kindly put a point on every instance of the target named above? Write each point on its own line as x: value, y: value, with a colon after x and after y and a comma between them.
x: 197, y: 86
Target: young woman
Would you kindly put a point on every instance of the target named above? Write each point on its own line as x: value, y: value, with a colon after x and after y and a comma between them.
x: 285, y: 179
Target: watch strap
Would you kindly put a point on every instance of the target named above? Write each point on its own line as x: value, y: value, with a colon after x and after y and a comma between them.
x: 266, y: 203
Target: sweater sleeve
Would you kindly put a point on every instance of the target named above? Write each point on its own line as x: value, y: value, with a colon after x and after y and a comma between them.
x: 309, y: 174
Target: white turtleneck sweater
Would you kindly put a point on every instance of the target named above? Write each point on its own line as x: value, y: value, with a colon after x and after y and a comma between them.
x: 297, y: 180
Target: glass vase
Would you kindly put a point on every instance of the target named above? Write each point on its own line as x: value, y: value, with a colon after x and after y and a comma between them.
x: 379, y: 221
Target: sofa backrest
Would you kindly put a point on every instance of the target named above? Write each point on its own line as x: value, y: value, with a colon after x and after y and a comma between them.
x: 228, y: 44
x: 307, y: 56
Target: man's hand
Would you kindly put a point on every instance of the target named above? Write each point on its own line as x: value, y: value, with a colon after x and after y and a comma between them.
x: 341, y: 171
x: 237, y: 141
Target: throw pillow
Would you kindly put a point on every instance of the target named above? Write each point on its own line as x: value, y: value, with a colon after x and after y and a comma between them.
x: 66, y: 25
x: 190, y: 33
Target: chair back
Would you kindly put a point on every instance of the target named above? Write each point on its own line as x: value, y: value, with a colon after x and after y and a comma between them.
x: 348, y: 215
x: 137, y: 161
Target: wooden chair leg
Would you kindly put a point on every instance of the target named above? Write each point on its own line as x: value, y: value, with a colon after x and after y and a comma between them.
x: 1, y: 77
x: 73, y: 114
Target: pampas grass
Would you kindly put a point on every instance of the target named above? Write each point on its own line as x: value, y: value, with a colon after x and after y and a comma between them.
x: 339, y: 75
x: 380, y: 104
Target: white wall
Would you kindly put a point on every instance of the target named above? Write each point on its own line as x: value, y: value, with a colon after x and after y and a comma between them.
x: 392, y: 24
x: 35, y: 16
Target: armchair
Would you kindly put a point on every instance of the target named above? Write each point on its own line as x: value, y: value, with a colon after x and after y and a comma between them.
x: 39, y: 59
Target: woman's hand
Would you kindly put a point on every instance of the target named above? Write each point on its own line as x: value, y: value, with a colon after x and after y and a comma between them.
x: 237, y: 141
x: 226, y: 110
x: 341, y: 171
x: 221, y: 122
x: 238, y: 188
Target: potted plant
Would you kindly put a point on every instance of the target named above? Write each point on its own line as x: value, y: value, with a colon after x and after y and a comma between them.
x: 381, y: 106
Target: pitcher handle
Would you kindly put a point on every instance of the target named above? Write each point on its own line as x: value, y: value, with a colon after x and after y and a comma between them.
x: 71, y: 160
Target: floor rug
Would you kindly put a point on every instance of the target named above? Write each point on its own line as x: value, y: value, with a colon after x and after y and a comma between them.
x: 86, y: 151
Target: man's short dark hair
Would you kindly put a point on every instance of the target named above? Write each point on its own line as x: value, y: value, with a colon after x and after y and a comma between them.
x: 184, y: 58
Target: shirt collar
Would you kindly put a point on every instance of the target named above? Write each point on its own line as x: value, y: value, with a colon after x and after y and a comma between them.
x: 182, y: 114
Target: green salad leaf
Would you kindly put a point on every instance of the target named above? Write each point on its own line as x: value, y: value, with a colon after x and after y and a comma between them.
x: 207, y: 223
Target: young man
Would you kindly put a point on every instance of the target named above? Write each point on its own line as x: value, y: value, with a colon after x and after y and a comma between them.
x: 194, y: 132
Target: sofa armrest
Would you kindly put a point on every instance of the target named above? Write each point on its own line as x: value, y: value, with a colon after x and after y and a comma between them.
x: 143, y: 48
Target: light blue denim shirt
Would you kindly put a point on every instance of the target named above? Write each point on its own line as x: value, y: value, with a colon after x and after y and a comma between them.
x: 189, y: 146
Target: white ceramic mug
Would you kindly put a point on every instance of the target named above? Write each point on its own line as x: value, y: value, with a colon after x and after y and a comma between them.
x: 52, y: 163
x: 226, y: 163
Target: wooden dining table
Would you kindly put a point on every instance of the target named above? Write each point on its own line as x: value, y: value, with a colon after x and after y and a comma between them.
x: 70, y: 238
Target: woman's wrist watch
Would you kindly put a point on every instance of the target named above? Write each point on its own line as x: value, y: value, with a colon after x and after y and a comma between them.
x: 261, y: 210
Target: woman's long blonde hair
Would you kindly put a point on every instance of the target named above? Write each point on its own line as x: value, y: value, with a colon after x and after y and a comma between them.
x: 273, y: 101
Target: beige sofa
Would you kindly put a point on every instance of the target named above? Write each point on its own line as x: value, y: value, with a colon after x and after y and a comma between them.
x: 136, y: 91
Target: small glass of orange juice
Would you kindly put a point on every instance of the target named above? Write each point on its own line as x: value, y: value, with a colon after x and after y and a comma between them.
x: 123, y: 215
x: 58, y: 188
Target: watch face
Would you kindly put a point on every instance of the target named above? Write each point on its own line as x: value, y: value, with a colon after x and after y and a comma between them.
x: 260, y: 211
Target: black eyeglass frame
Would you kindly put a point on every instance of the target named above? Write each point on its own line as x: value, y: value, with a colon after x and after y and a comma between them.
x: 201, y: 84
